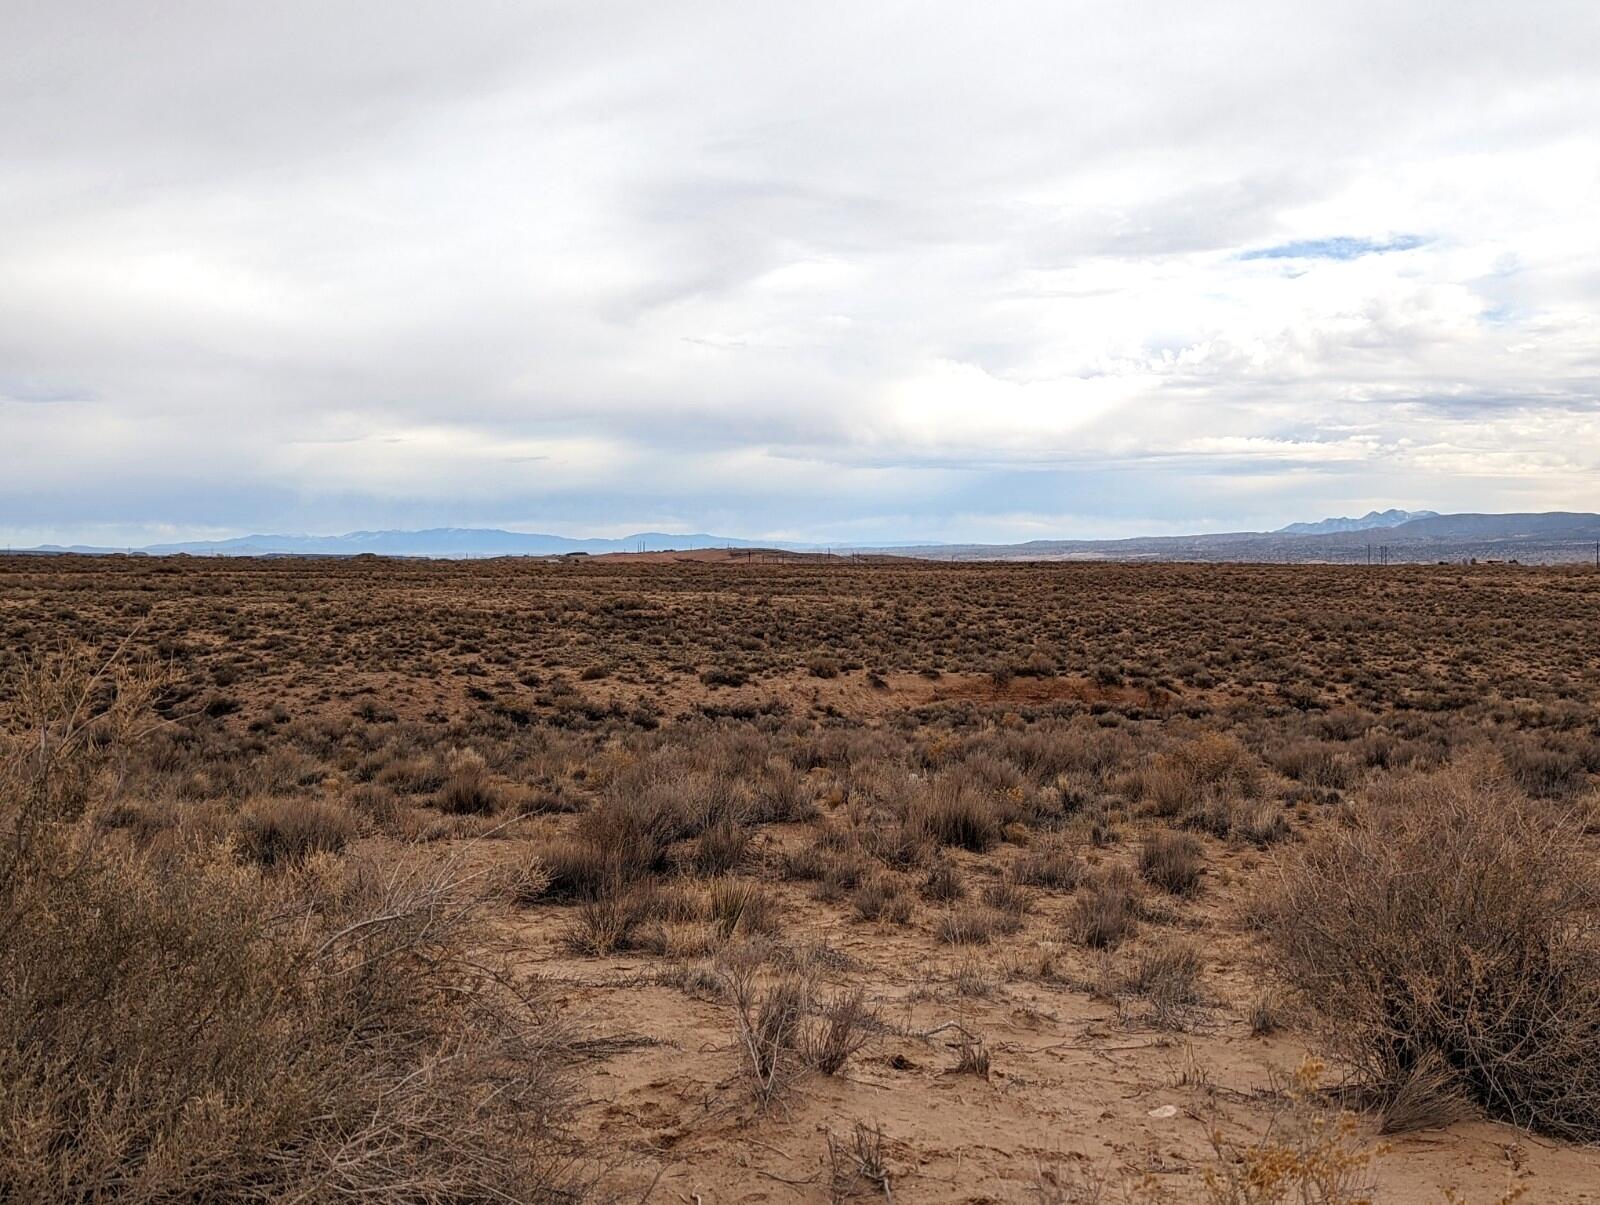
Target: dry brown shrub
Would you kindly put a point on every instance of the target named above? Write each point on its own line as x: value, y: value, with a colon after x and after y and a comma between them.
x: 468, y: 789
x: 1316, y: 763
x: 968, y: 925
x: 943, y: 882
x: 1307, y: 1155
x: 783, y: 796
x: 882, y: 897
x: 1106, y: 913
x: 1209, y: 768
x: 898, y: 845
x: 608, y: 920
x: 575, y: 869
x: 844, y: 1024
x: 953, y: 811
x: 1172, y: 861
x: 272, y: 832
x: 1448, y: 937
x: 1169, y: 975
x: 858, y: 1167
x: 721, y: 848
x: 1008, y: 897
x: 739, y: 906
x: 769, y: 1029
x: 1052, y: 864
x: 413, y: 776
x: 375, y: 804
x: 1543, y: 772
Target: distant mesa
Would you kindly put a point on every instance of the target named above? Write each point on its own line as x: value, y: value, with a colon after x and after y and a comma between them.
x: 1367, y: 522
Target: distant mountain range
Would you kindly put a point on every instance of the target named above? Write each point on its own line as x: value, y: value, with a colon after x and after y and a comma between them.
x: 1544, y: 538
x: 1396, y: 535
x: 434, y: 542
x: 1367, y: 522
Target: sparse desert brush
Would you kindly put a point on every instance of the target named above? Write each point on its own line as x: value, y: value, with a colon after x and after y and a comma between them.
x: 1008, y: 897
x: 1324, y: 764
x: 191, y: 1028
x: 841, y: 874
x: 782, y: 796
x: 1545, y: 772
x: 743, y: 907
x: 523, y: 883
x: 467, y: 789
x: 785, y: 1029
x: 769, y: 1025
x: 1210, y: 767
x: 573, y: 868
x: 722, y: 848
x: 1168, y: 973
x: 1448, y: 938
x: 971, y: 925
x: 1051, y: 864
x: 413, y: 776
x: 608, y: 919
x: 843, y: 1025
x: 635, y: 839
x: 943, y: 882
x: 956, y: 812
x: 1172, y: 861
x: 321, y: 1062
x: 822, y: 666
x: 375, y: 804
x: 724, y: 675
x: 1343, y: 683
x: 857, y: 1166
x: 1308, y: 1155
x: 899, y: 845
x: 1105, y: 913
x: 1258, y: 821
x: 272, y: 832
x: 882, y: 898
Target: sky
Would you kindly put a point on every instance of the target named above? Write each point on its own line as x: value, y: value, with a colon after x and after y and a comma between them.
x: 844, y: 272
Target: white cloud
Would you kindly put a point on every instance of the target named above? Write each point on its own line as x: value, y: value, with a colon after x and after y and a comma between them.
x: 887, y: 269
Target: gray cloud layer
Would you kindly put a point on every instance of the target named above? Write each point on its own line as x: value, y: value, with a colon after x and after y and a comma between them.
x: 831, y: 271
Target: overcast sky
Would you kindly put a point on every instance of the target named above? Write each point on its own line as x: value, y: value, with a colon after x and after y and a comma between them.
x: 856, y: 271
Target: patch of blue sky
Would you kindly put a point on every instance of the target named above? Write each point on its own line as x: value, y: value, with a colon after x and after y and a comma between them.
x: 1341, y: 247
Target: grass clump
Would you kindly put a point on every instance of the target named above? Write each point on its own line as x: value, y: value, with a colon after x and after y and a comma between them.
x: 275, y: 832
x: 467, y: 791
x: 1173, y: 862
x: 1107, y: 913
